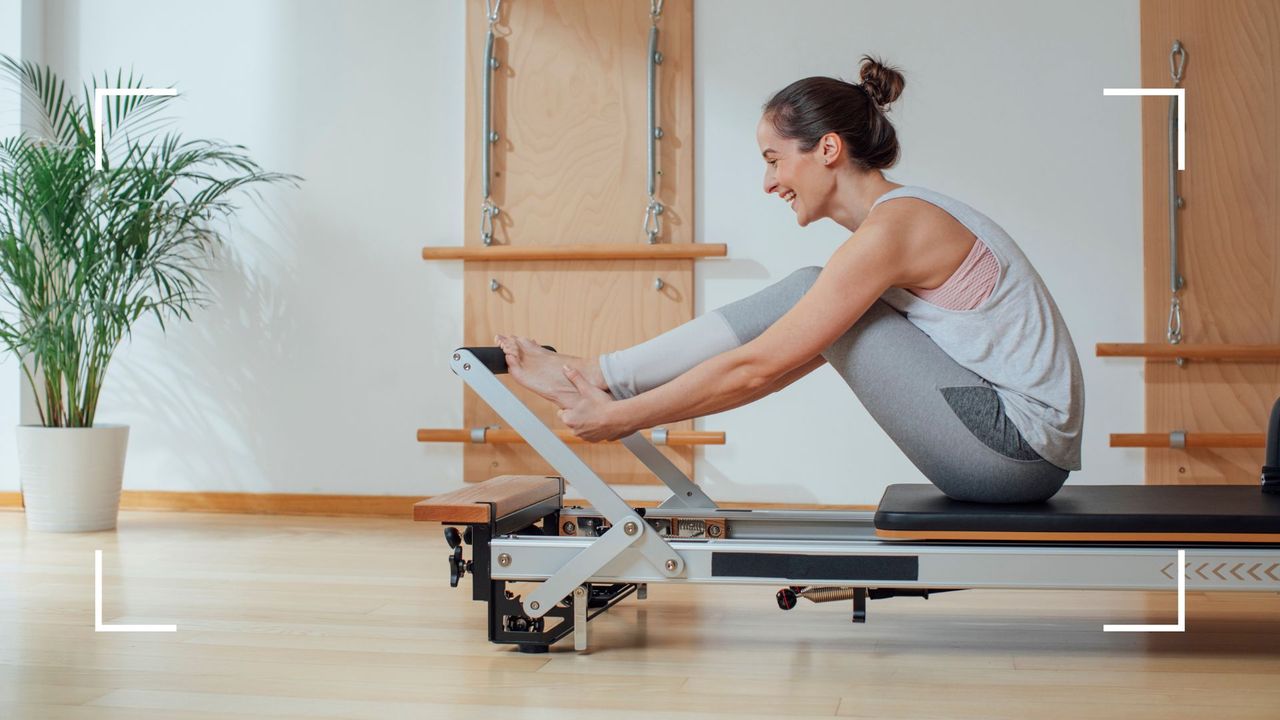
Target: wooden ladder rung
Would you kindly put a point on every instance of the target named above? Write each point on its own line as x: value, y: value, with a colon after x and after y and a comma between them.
x: 1202, y: 351
x: 595, y: 251
x: 1193, y: 440
x: 489, y: 500
x: 501, y: 436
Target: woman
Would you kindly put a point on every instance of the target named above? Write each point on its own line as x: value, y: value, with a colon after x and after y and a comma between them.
x: 929, y: 311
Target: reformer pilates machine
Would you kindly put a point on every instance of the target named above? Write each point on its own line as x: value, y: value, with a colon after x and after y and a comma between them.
x: 917, y: 542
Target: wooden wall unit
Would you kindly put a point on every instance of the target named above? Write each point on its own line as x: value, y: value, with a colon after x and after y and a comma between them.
x: 570, y: 106
x: 1230, y: 227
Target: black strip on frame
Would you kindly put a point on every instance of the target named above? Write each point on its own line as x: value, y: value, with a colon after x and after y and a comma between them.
x: 815, y: 567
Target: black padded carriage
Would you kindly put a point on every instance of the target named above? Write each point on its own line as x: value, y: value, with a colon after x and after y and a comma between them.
x: 1201, y: 513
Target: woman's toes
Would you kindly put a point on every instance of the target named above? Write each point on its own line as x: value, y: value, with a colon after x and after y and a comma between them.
x: 508, y: 345
x: 529, y: 344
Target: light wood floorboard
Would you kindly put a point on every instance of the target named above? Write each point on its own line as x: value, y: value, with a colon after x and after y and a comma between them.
x: 314, y: 617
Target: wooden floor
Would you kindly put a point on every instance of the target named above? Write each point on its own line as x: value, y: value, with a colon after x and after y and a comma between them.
x: 353, y: 618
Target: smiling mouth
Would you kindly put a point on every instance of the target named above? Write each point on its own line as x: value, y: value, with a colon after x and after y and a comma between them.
x: 791, y: 199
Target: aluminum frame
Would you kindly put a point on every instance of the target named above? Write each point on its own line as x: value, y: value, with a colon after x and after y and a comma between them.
x: 860, y: 563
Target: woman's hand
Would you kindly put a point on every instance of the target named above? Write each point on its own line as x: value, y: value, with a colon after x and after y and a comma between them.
x: 592, y: 414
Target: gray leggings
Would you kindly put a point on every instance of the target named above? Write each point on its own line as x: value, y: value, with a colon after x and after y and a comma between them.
x: 948, y: 421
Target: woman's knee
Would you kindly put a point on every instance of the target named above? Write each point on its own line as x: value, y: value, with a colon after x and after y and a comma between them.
x: 799, y: 281
x: 806, y: 275
x: 752, y: 315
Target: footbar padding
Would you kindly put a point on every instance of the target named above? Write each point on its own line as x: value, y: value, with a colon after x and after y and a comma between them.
x: 493, y: 357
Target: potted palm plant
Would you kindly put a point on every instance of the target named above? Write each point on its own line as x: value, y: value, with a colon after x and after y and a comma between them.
x: 86, y: 251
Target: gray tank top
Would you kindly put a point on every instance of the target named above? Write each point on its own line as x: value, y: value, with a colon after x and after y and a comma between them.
x: 1015, y: 339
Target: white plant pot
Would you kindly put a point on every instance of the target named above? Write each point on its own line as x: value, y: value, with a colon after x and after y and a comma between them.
x: 71, y: 477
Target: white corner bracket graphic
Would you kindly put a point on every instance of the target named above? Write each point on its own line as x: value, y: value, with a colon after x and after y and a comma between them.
x: 100, y: 93
x: 97, y: 606
x: 1182, y: 606
x: 1181, y: 94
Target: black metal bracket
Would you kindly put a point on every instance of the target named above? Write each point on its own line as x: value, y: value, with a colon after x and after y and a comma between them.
x: 508, y: 623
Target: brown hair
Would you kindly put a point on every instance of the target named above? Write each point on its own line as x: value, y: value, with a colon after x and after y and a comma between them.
x: 807, y: 109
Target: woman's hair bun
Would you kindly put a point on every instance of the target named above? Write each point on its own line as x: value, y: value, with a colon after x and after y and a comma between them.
x: 883, y: 83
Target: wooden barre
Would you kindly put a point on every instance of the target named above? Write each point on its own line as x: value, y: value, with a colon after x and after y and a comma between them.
x: 500, y: 436
x: 1205, y: 351
x: 1192, y: 440
x: 597, y: 251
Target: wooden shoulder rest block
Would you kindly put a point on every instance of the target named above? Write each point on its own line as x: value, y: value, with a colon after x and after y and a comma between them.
x: 489, y: 500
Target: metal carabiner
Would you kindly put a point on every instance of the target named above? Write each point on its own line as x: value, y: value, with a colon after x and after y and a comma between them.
x: 488, y: 211
x: 655, y: 9
x: 1177, y: 61
x: 492, y: 10
x: 653, y: 223
x: 1174, y: 330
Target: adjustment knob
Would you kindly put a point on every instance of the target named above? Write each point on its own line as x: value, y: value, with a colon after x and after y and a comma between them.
x: 457, y: 567
x: 452, y: 536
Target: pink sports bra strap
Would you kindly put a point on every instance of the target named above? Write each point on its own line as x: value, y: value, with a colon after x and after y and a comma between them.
x: 969, y: 285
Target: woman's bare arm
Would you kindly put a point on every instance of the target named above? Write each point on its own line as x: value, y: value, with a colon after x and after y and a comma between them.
x: 791, y: 376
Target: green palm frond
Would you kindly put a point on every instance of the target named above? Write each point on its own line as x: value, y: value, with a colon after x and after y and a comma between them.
x: 86, y: 253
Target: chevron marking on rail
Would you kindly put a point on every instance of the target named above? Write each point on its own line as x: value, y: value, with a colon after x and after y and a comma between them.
x: 1253, y: 571
x: 1200, y: 571
x: 1167, y: 571
x: 1271, y: 571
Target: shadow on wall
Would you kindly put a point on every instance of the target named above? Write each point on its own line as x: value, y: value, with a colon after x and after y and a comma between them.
x: 307, y: 373
x: 204, y: 400
x: 732, y: 268
x: 718, y: 485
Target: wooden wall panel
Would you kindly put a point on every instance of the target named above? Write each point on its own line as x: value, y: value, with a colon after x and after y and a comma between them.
x: 1230, y: 227
x: 570, y: 106
x: 582, y: 308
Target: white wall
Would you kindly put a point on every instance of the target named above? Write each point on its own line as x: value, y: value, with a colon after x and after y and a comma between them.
x: 323, y: 354
x: 10, y: 44
x: 327, y: 347
x: 21, y: 36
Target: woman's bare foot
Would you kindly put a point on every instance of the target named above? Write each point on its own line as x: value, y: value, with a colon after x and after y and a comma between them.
x: 542, y: 371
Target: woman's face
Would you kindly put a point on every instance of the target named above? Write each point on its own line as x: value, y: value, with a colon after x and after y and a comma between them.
x: 801, y: 179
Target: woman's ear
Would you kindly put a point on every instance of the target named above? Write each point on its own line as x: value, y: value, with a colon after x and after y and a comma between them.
x: 831, y: 145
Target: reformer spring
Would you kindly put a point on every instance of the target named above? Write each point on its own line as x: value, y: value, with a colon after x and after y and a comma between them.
x: 826, y: 594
